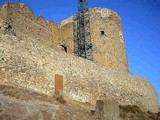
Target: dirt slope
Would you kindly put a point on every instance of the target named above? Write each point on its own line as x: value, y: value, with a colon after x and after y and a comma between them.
x: 20, y: 104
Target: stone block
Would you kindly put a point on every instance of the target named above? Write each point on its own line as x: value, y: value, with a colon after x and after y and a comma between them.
x: 109, y: 110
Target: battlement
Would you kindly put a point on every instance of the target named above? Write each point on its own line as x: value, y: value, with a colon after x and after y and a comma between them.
x: 105, y: 26
x: 23, y: 23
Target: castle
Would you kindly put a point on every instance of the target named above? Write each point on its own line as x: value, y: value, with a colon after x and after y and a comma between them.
x: 39, y: 49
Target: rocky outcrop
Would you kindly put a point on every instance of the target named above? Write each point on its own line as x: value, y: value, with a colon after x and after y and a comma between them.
x: 19, y: 104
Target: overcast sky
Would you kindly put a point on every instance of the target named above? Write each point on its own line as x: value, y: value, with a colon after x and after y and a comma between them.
x: 141, y: 27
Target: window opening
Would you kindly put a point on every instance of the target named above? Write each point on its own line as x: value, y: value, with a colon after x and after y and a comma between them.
x: 102, y: 33
x: 64, y: 47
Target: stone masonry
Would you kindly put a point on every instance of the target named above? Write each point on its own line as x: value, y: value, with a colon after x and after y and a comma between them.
x: 32, y: 53
x: 109, y: 48
x: 106, y: 37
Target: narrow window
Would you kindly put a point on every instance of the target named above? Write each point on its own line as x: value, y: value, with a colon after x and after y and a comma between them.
x: 102, y: 33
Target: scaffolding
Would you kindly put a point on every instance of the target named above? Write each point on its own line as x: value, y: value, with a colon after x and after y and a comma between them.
x: 83, y: 46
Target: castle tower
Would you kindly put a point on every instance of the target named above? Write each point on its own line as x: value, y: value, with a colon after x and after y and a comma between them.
x: 103, y: 32
x: 106, y: 37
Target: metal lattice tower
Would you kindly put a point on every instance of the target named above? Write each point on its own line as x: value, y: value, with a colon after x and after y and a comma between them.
x: 82, y: 39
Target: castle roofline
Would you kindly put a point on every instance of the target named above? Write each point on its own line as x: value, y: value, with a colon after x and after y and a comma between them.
x: 106, y: 9
x: 105, y: 12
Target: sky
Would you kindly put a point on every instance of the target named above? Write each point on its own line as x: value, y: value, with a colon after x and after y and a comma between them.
x: 141, y: 28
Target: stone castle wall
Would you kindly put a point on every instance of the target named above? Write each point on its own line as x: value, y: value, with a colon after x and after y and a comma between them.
x: 2, y: 13
x: 109, y: 48
x: 22, y: 22
x: 67, y: 36
x: 31, y: 65
x: 29, y: 58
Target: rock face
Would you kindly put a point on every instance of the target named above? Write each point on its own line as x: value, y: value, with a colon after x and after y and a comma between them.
x: 134, y: 113
x: 31, y: 60
x: 28, y: 105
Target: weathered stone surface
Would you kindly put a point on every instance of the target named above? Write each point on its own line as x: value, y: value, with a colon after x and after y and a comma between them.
x: 31, y: 54
x: 21, y: 19
x: 14, y: 105
x: 107, y: 109
x: 134, y: 113
x: 18, y: 110
x: 30, y: 64
x: 109, y: 48
x: 17, y: 106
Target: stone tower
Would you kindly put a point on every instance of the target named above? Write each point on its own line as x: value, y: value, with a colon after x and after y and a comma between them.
x: 106, y: 36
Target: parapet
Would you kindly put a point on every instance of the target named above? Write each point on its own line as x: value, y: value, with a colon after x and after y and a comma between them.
x: 22, y: 22
x: 19, y: 8
x: 24, y: 9
x: 40, y: 20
